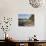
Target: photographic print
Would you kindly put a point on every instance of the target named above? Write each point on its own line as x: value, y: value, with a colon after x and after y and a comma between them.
x: 25, y: 19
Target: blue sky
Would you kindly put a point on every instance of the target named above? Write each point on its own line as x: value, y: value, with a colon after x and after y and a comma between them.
x: 23, y: 16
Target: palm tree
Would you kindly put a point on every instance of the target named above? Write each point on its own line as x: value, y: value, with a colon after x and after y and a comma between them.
x: 6, y: 25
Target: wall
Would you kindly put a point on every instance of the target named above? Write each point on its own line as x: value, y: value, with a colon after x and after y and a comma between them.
x: 45, y: 27
x: 11, y: 8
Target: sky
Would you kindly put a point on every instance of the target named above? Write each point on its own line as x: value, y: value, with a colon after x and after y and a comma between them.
x: 24, y: 16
